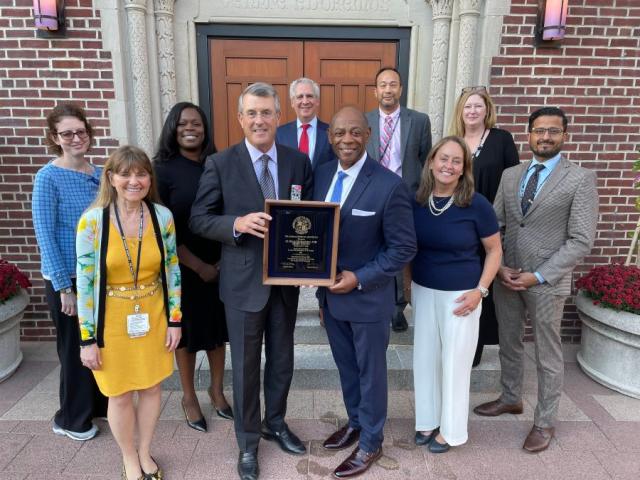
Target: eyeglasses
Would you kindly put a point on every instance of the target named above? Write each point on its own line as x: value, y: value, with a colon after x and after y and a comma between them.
x: 265, y: 114
x: 553, y: 132
x: 69, y: 134
x: 477, y: 88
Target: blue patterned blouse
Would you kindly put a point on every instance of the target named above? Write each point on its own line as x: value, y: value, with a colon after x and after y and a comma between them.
x: 59, y: 197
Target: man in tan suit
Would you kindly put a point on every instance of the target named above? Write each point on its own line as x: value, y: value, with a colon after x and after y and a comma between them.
x: 548, y: 208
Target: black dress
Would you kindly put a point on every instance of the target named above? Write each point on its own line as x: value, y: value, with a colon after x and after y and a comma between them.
x: 498, y: 153
x: 203, y: 320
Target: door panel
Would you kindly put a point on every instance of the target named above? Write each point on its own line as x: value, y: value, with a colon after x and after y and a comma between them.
x: 345, y: 72
x: 234, y: 65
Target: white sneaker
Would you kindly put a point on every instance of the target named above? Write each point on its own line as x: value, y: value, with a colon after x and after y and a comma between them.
x: 79, y: 436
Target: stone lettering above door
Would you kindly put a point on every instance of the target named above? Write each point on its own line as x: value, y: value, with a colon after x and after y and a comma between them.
x: 329, y: 6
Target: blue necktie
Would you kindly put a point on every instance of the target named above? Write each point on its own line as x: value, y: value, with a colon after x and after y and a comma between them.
x: 336, y: 195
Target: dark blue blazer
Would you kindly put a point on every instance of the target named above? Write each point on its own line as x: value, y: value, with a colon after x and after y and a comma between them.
x: 377, y: 239
x: 287, y: 134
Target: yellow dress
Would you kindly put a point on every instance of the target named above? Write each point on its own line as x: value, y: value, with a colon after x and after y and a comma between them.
x: 133, y: 363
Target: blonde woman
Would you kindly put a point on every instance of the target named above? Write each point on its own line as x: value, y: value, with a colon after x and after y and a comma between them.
x: 129, y: 302
x: 492, y: 151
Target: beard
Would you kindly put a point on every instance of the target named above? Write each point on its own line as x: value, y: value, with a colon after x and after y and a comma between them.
x: 546, y: 154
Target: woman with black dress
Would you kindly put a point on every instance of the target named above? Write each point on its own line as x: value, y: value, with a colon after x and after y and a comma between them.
x: 185, y: 143
x: 492, y: 150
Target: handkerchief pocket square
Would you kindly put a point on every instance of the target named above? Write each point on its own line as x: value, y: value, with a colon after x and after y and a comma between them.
x: 361, y: 213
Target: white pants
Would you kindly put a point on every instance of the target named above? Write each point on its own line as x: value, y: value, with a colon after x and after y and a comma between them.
x: 443, y: 348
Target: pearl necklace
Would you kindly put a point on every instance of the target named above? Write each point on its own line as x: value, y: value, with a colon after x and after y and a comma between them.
x: 438, y: 211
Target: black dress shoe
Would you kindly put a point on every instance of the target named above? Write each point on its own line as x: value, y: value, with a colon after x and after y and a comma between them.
x: 343, y: 438
x: 199, y: 425
x: 287, y: 440
x: 399, y: 323
x: 437, y: 447
x: 422, y: 439
x: 248, y: 468
x: 358, y: 462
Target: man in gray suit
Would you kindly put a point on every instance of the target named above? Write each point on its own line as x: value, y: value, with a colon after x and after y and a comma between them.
x: 229, y: 208
x: 548, y: 208
x: 400, y: 141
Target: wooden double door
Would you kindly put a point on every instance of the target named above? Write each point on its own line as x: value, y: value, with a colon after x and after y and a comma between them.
x: 345, y: 71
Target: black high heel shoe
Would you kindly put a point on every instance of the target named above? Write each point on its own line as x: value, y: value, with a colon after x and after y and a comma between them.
x: 157, y: 475
x: 199, y: 425
x: 226, y: 413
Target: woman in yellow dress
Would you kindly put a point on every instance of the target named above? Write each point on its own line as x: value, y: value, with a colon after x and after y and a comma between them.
x: 129, y: 301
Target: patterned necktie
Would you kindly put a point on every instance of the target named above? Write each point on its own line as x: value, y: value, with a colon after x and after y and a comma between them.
x: 336, y: 195
x: 530, y: 189
x: 266, y: 180
x: 385, y: 141
x: 303, y: 146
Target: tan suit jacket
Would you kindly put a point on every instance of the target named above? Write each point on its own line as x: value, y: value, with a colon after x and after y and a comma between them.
x: 558, y: 229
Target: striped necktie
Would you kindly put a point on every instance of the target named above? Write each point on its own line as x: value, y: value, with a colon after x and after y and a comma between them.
x: 266, y: 180
x: 385, y: 141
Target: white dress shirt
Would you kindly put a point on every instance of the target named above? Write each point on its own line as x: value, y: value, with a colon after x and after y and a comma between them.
x: 347, y: 184
x: 312, y: 133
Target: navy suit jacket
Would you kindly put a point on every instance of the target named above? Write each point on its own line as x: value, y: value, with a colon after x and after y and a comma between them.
x: 377, y: 239
x: 287, y: 134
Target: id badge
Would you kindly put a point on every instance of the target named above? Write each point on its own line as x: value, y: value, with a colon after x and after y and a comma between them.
x: 137, y: 325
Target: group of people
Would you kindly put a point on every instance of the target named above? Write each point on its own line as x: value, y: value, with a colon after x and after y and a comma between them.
x: 166, y: 256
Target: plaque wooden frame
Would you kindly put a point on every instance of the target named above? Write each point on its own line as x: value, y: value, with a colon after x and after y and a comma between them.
x: 325, y: 280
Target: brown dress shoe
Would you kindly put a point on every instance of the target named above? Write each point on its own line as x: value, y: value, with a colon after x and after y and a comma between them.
x: 343, y: 438
x: 496, y: 407
x: 358, y: 462
x: 538, y: 439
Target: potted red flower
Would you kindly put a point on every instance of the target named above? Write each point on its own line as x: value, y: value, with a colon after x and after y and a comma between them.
x: 609, y: 307
x: 13, y: 301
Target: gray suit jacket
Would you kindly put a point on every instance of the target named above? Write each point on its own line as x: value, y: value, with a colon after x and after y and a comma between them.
x: 229, y: 189
x: 415, y: 143
x: 558, y: 229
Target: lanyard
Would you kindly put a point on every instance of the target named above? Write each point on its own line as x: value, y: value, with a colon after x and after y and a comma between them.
x: 126, y: 247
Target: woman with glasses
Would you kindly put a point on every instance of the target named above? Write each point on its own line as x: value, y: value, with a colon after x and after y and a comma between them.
x: 492, y: 151
x: 63, y: 189
x: 185, y: 143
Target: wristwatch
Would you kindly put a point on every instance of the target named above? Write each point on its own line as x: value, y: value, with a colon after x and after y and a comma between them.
x: 67, y: 290
x: 483, y: 291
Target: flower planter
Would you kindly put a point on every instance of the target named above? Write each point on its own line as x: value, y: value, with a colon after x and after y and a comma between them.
x: 11, y: 313
x: 610, y: 350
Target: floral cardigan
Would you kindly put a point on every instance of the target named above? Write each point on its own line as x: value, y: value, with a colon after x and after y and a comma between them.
x: 91, y: 245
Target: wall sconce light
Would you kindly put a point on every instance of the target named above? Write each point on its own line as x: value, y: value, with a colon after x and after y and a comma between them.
x: 552, y: 22
x: 48, y: 16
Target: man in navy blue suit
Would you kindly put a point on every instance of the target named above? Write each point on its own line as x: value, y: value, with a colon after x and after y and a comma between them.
x: 306, y: 133
x: 377, y: 239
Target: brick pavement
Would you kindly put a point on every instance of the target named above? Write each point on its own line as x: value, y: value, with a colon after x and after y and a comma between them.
x: 598, y: 436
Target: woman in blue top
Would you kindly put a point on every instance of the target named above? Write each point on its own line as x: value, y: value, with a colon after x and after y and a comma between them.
x: 449, y: 281
x: 63, y: 189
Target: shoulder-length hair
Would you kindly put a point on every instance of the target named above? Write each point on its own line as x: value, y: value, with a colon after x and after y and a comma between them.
x: 457, y: 121
x: 463, y: 194
x: 168, y: 147
x: 125, y: 159
x: 56, y: 115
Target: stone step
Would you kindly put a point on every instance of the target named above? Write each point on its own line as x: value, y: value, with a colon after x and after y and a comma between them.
x: 316, y: 370
x: 309, y: 331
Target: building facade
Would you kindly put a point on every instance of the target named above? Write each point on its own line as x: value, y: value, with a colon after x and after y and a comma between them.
x: 128, y: 61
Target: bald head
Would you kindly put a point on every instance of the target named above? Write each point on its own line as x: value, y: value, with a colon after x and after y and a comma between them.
x: 348, y: 134
x: 353, y: 111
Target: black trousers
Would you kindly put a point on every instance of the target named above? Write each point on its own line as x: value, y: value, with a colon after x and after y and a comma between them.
x: 80, y: 398
x: 275, y: 322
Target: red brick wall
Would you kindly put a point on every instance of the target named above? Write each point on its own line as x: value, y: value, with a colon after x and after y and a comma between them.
x: 595, y: 78
x: 37, y: 74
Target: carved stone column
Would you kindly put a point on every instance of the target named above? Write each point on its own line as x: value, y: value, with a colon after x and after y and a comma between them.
x: 137, y: 33
x: 441, y: 14
x: 469, y: 13
x: 166, y: 54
